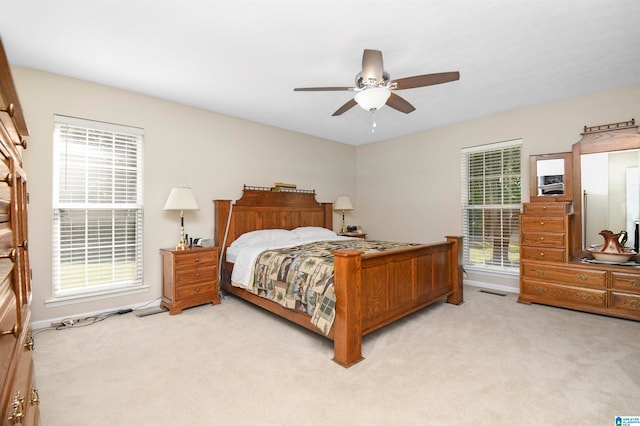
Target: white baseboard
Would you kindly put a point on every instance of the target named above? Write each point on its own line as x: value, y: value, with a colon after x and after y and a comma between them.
x: 37, y: 325
x: 480, y: 284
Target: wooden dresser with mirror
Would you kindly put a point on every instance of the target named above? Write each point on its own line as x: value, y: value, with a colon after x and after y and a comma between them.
x: 575, y: 195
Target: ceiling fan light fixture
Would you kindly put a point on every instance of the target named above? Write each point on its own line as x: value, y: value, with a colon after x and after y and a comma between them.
x: 372, y: 98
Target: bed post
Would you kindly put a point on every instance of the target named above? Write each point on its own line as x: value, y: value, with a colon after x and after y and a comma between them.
x: 347, y: 338
x: 328, y: 215
x: 455, y: 262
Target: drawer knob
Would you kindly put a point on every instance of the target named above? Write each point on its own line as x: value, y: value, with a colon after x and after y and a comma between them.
x: 541, y: 238
x: 10, y: 109
x: 15, y: 331
x: 583, y: 296
x: 198, y: 290
x: 35, y: 397
x: 542, y: 222
x: 198, y: 259
x: 17, y: 415
x: 11, y: 255
x: 29, y: 344
x: 544, y: 207
x: 22, y: 143
x: 583, y: 277
x: 197, y: 274
x: 541, y: 254
x: 8, y: 179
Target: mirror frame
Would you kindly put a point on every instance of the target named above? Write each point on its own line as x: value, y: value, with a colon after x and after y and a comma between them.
x: 568, y: 177
x: 604, y: 138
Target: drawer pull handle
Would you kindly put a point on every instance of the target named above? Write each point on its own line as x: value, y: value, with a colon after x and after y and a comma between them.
x: 11, y: 255
x: 635, y: 283
x: 583, y: 277
x: 10, y: 109
x: 15, y: 331
x: 29, y: 344
x: 35, y: 397
x: 635, y: 304
x: 17, y: 414
x: 8, y: 179
x: 583, y: 296
x: 540, y: 289
x: 539, y: 272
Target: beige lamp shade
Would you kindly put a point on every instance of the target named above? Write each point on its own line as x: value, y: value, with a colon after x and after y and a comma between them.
x: 343, y: 203
x: 181, y: 198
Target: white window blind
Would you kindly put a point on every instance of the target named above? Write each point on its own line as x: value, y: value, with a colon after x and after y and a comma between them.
x: 97, y: 207
x: 491, y: 202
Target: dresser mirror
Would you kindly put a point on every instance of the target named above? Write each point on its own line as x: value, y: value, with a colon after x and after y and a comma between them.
x: 551, y: 177
x: 607, y: 176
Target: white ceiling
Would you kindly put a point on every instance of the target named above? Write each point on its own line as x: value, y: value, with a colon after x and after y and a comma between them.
x: 243, y: 58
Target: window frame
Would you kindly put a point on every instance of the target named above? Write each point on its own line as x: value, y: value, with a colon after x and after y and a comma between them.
x: 505, y: 213
x: 105, y: 242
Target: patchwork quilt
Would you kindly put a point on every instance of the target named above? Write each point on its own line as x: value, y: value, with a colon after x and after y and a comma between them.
x: 301, y: 277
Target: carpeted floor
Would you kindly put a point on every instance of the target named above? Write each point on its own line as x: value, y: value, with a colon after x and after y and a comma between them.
x: 490, y: 361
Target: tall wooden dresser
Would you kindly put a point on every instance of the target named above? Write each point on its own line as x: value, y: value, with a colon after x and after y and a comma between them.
x: 18, y: 395
x: 555, y: 266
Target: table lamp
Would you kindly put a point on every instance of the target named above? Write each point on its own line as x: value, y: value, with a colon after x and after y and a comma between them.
x: 343, y: 203
x: 181, y: 198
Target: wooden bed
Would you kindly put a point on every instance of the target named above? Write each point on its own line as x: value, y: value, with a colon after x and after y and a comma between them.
x: 372, y: 290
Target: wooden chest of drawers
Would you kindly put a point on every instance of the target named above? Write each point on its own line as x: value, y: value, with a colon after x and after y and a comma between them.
x: 544, y: 232
x: 189, y: 278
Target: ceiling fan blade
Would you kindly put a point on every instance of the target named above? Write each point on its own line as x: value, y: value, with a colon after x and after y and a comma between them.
x: 344, y: 108
x: 426, y: 80
x: 396, y: 102
x: 372, y: 65
x: 321, y: 89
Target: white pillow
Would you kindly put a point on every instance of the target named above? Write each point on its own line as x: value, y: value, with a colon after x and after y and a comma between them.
x: 263, y: 236
x: 313, y: 232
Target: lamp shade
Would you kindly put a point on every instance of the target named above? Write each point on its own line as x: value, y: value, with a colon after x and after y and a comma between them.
x: 181, y: 198
x: 373, y: 98
x: 343, y: 202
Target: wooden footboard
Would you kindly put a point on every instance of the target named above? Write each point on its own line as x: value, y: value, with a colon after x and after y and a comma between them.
x: 373, y: 290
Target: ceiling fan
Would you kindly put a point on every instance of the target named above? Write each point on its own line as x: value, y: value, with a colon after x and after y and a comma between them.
x: 374, y: 88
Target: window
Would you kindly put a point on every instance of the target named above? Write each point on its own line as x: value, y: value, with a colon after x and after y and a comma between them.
x: 97, y: 207
x: 491, y: 201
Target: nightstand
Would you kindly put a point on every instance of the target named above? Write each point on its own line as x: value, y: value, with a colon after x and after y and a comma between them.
x: 353, y: 234
x: 189, y: 278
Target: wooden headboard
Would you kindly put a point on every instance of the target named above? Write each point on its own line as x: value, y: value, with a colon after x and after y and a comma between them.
x: 266, y: 208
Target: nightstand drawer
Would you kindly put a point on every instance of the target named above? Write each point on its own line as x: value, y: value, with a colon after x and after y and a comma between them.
x: 190, y: 260
x: 203, y: 290
x: 198, y: 274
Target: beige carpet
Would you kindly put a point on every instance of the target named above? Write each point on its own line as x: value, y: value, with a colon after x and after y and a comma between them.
x: 490, y: 361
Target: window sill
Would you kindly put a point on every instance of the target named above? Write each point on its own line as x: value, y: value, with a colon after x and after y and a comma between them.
x: 89, y: 297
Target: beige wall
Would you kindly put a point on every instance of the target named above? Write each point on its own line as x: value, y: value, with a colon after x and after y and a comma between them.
x: 409, y: 188
x: 213, y: 153
x: 403, y: 189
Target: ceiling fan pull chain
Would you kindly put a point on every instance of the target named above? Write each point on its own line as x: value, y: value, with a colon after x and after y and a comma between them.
x: 373, y: 125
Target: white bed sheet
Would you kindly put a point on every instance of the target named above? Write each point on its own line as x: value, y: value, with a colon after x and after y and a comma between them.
x: 244, y: 258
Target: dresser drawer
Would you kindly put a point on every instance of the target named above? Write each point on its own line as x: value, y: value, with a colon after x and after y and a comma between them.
x: 626, y: 302
x: 625, y: 282
x: 190, y: 260
x: 193, y: 275
x: 565, y: 275
x: 543, y: 254
x: 543, y: 224
x: 548, y: 239
x: 565, y: 295
x: 542, y: 209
